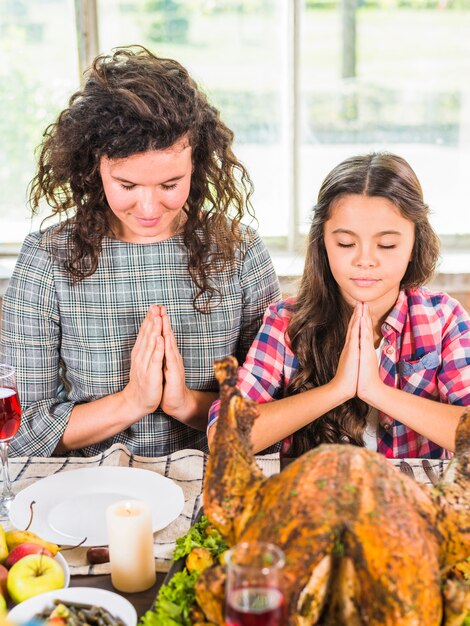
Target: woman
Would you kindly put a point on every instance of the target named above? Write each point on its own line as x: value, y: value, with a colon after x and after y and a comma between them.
x: 114, y: 317
x: 365, y: 354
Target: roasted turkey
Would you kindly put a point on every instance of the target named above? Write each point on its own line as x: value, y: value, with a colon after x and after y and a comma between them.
x: 364, y: 543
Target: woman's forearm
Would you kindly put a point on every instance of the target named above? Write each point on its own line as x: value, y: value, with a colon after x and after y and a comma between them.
x: 92, y: 422
x: 196, y: 409
x: 96, y: 421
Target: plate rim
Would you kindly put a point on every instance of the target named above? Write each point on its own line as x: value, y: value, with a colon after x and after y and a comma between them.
x: 60, y: 558
x: 19, y: 506
x: 71, y: 591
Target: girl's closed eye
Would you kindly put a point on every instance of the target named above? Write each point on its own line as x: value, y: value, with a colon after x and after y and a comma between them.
x: 127, y: 187
x: 345, y: 245
x: 387, y: 247
x: 169, y: 187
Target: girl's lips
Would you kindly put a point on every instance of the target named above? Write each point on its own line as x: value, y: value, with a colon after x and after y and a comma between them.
x: 365, y: 282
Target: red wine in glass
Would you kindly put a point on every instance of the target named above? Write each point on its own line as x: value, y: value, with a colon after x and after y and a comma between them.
x: 10, y: 418
x: 255, y: 606
x: 10, y: 413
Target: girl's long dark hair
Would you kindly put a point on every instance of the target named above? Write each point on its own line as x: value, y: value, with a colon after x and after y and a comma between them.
x: 317, y: 329
x: 131, y: 102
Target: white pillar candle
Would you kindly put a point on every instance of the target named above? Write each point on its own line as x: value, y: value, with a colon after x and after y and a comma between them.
x: 130, y: 539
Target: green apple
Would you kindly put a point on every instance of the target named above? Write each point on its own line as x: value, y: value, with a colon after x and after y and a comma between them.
x: 32, y: 575
x: 3, y: 606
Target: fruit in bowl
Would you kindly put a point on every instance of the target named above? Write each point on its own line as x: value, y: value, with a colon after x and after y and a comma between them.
x: 32, y: 575
x: 31, y: 566
x: 22, y: 550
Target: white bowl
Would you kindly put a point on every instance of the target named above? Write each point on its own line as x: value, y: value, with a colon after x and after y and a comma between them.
x: 112, y: 602
x: 65, y: 566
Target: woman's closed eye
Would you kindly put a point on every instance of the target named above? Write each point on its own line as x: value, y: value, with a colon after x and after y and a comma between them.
x: 165, y: 187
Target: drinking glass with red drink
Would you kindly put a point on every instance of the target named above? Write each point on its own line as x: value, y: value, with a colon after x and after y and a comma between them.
x: 10, y: 420
x: 254, y: 585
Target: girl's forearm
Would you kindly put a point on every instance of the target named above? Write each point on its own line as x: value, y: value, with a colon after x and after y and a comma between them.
x: 280, y: 418
x: 434, y: 420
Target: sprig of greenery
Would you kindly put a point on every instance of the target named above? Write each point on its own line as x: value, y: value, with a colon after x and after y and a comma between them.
x: 175, y: 599
x: 173, y: 603
x: 201, y: 535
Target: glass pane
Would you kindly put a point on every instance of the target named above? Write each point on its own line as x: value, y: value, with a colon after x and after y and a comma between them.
x: 234, y: 50
x: 39, y: 71
x: 407, y: 93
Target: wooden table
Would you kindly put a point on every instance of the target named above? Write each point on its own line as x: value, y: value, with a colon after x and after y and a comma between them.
x: 141, y: 601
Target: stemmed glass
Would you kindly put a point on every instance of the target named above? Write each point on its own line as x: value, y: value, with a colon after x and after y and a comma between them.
x: 254, y: 594
x: 10, y: 420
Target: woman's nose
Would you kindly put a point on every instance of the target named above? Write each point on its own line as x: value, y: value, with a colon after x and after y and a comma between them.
x: 148, y: 202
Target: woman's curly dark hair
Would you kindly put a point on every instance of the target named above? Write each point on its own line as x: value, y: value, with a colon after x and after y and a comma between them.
x: 131, y: 102
x: 317, y: 329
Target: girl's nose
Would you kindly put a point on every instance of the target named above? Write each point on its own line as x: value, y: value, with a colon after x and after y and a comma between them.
x: 365, y: 257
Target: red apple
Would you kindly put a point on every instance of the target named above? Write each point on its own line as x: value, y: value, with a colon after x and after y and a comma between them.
x: 3, y: 580
x: 32, y: 575
x: 22, y: 550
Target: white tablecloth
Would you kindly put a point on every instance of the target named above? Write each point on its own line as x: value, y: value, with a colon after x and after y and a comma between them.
x: 186, y: 468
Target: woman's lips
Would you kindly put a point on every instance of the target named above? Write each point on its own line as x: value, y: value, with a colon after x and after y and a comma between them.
x: 148, y: 222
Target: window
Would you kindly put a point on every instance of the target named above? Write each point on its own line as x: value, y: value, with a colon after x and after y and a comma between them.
x: 38, y: 72
x: 303, y: 83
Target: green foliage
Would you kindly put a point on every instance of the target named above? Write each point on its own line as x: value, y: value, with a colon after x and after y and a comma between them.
x: 167, y: 20
x: 173, y: 603
x: 176, y: 598
x: 439, y: 5
x: 201, y: 535
x: 29, y: 99
x: 26, y: 108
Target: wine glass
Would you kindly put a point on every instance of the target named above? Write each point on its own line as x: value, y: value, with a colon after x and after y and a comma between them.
x: 254, y: 594
x: 10, y: 420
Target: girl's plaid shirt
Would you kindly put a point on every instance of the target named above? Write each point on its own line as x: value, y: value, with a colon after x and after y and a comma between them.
x: 426, y: 352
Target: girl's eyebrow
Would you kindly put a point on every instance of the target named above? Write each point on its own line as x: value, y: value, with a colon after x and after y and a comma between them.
x: 165, y: 182
x: 345, y: 231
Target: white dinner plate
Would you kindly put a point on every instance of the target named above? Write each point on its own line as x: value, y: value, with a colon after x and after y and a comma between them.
x: 70, y: 506
x: 117, y: 605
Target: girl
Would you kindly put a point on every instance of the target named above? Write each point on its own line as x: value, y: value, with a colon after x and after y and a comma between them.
x: 113, y: 318
x: 364, y: 354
